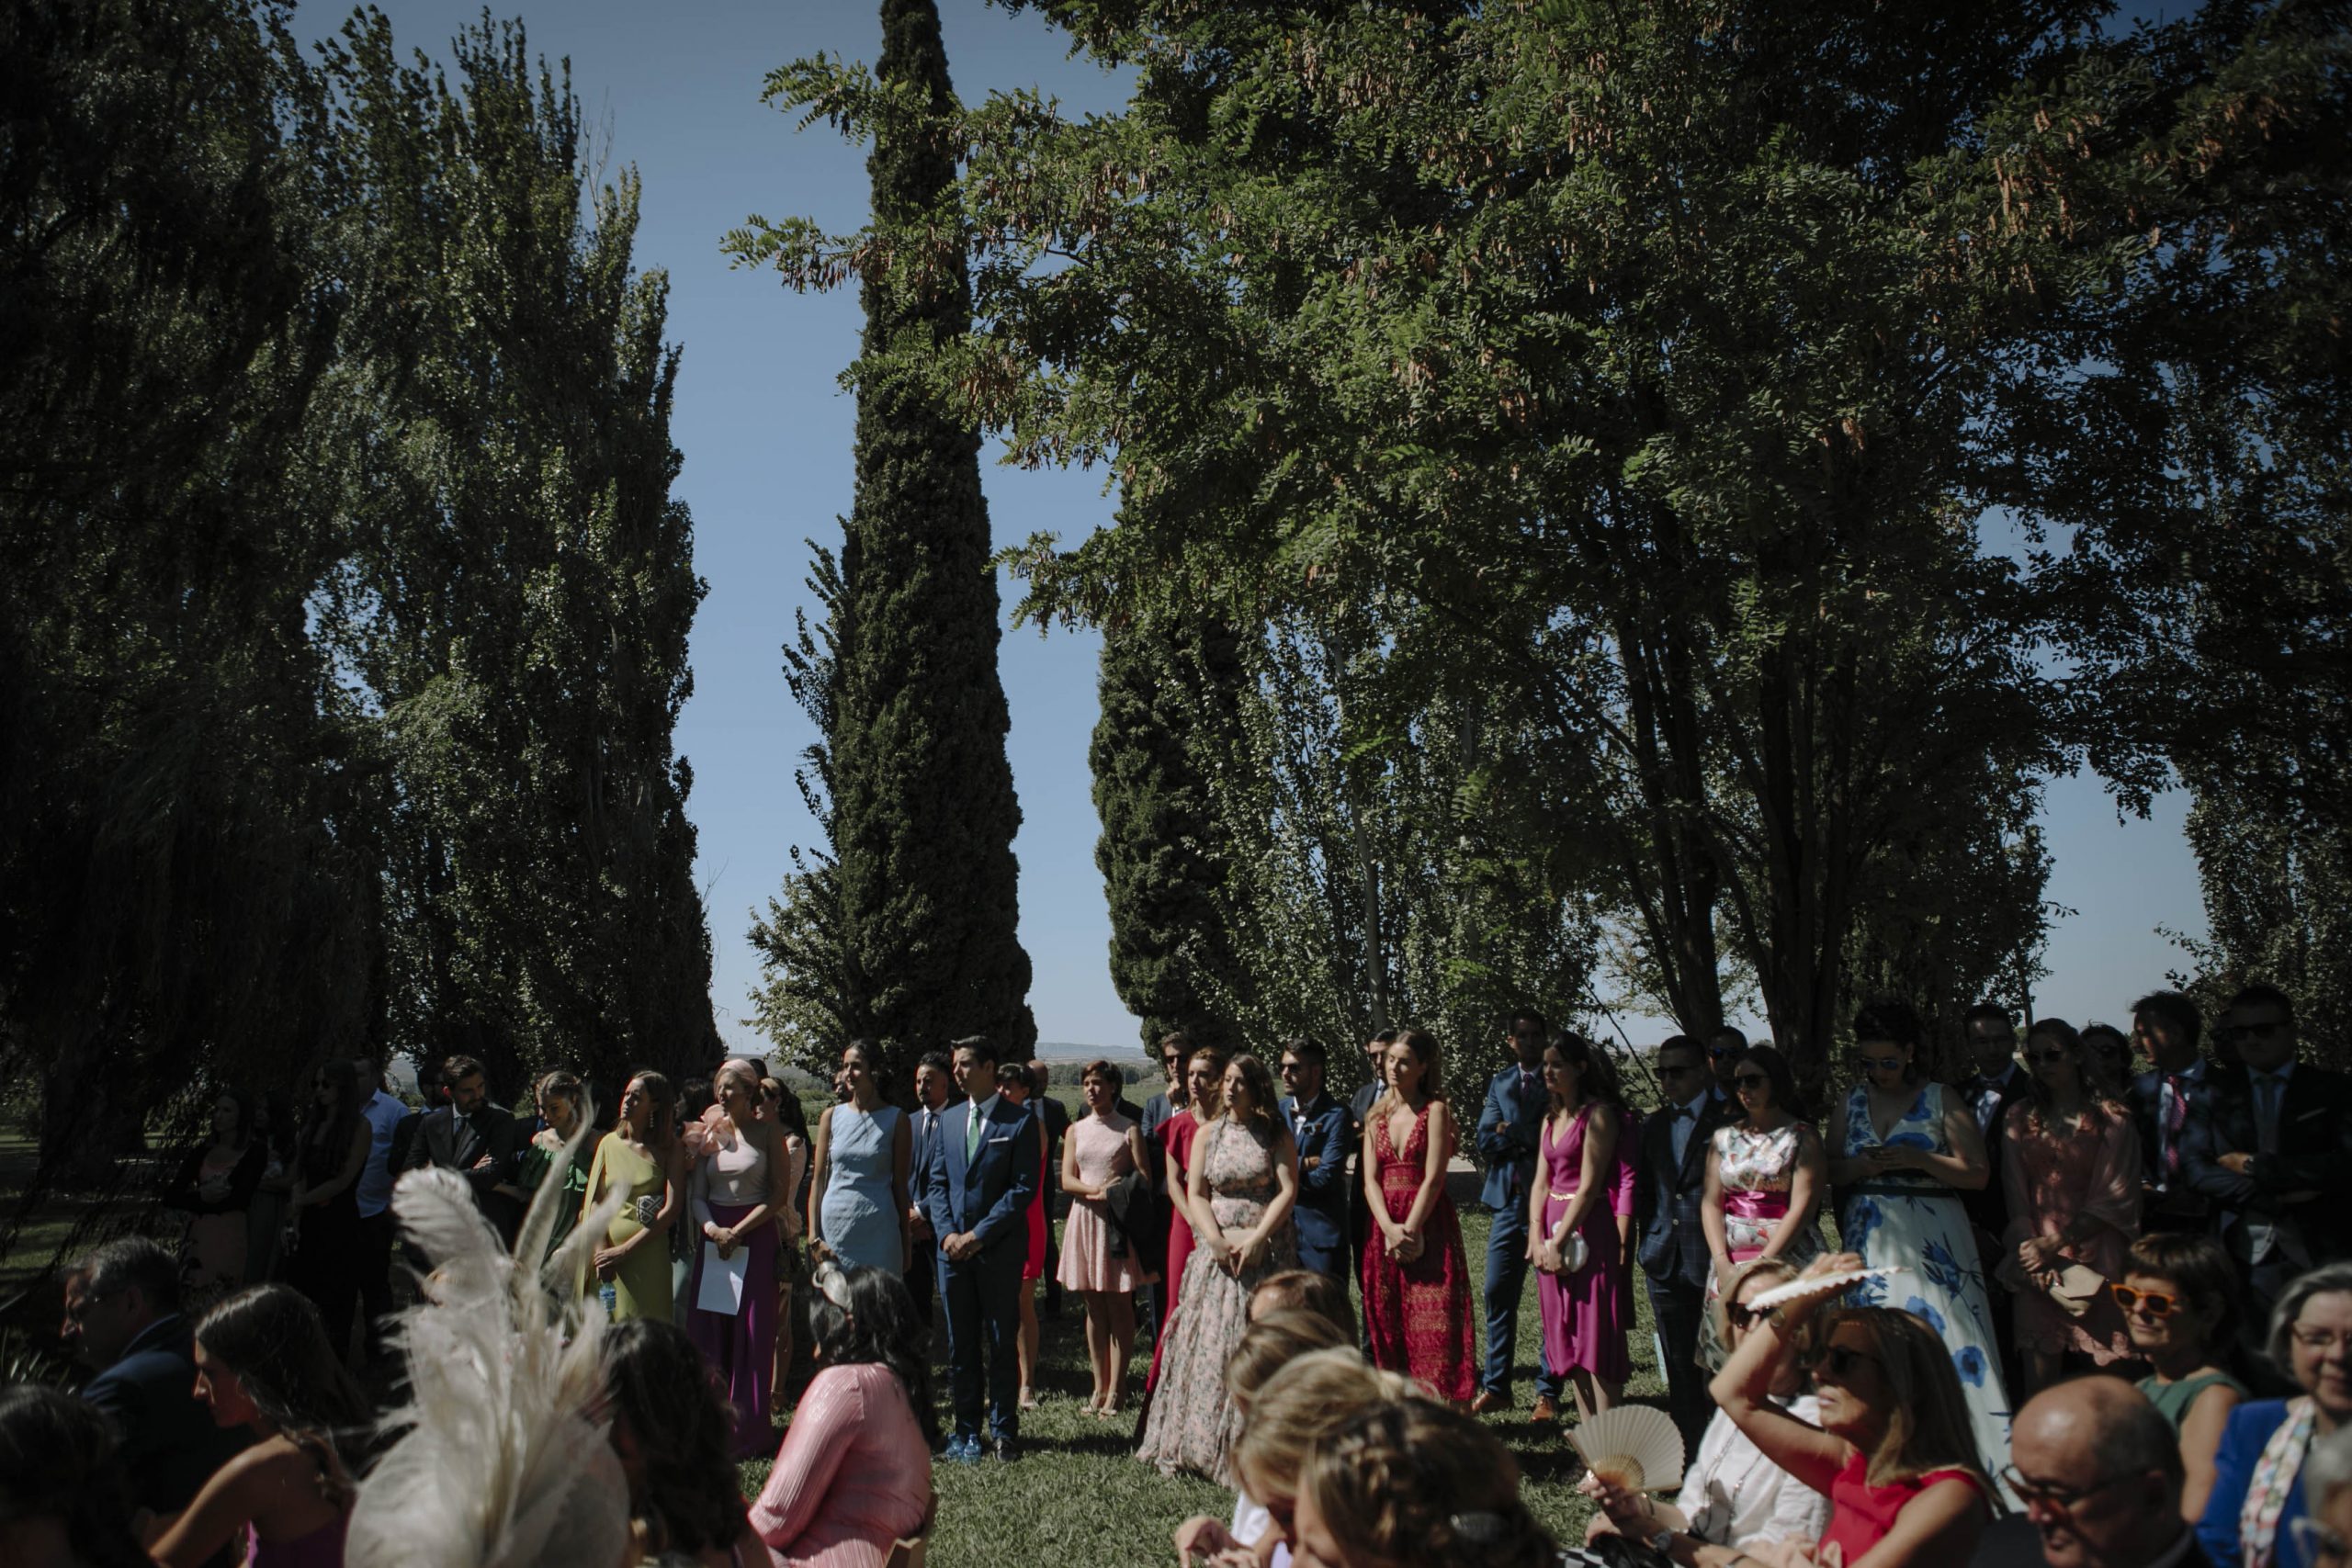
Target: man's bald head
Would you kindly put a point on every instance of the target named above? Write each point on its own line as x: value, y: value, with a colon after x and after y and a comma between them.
x: 2101, y: 1474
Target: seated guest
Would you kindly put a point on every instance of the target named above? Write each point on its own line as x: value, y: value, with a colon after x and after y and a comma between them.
x: 2107, y: 1060
x: 1734, y: 1500
x: 2325, y: 1534
x: 1894, y: 1453
x: 1412, y: 1483
x: 1268, y: 1345
x: 2177, y: 1296
x: 854, y: 1474
x: 2099, y: 1475
x: 263, y: 1363
x: 1308, y: 1290
x: 64, y: 1500
x: 674, y: 1433
x: 2255, y: 1502
x: 122, y: 1317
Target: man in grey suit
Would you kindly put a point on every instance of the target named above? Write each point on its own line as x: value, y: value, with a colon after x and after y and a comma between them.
x: 1673, y: 1249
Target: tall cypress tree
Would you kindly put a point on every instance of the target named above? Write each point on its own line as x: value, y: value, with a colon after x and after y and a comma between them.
x: 925, y: 813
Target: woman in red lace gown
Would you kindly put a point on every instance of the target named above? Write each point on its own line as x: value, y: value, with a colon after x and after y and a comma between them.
x: 1416, y: 1282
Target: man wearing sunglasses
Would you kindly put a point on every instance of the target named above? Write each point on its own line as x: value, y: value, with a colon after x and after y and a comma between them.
x: 1509, y: 1127
x: 2168, y: 1027
x: 2099, y: 1474
x: 1725, y: 1048
x: 1673, y: 1248
x: 2271, y: 1146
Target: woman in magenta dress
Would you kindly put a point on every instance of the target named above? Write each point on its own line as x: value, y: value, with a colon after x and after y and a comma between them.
x: 1204, y: 1082
x: 1583, y: 1307
x: 739, y: 1186
x: 1416, y: 1314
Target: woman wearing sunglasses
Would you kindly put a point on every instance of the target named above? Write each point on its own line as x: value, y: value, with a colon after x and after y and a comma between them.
x: 2175, y: 1297
x: 1893, y: 1452
x: 1765, y: 1173
x: 2256, y: 1512
x: 2070, y: 1168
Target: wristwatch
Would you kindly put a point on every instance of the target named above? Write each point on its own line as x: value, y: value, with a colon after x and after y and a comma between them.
x: 1663, y: 1543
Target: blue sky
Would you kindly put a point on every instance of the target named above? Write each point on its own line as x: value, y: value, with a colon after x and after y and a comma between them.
x: 765, y: 429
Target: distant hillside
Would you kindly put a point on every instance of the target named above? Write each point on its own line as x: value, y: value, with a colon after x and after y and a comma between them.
x: 1068, y: 1050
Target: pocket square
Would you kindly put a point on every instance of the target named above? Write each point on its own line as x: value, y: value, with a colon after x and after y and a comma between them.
x: 1002, y: 1138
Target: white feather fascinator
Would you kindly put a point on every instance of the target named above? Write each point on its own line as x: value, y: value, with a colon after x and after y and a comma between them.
x: 501, y: 1458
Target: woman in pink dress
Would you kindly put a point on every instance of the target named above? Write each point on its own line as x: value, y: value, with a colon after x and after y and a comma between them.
x: 1583, y: 1307
x: 740, y: 1187
x: 1204, y: 1081
x: 1416, y: 1314
x: 1101, y: 1146
x: 854, y: 1474
x: 2071, y: 1170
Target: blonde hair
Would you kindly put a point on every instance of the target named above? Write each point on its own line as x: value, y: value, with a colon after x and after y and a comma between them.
x: 1272, y: 1343
x: 1411, y: 1481
x: 1303, y: 1404
x: 1424, y: 1046
x: 1926, y: 1418
x: 1779, y: 1270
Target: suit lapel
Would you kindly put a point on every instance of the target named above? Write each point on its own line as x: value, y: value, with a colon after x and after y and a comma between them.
x: 1703, y: 1132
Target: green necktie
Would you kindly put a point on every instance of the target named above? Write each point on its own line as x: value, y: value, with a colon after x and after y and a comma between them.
x: 971, y: 1133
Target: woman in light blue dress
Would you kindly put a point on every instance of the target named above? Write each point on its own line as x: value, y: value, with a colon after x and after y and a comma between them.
x: 857, y: 1194
x: 1899, y: 1147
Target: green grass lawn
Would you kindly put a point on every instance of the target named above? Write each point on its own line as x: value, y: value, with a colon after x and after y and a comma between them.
x: 1078, y: 1498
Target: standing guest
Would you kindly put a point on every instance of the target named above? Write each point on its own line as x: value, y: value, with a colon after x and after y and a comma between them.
x: 672, y: 1433
x: 640, y: 1155
x: 2175, y: 1296
x: 865, y: 1162
x: 1581, y: 1301
x: 1416, y: 1281
x: 323, y: 1214
x: 2107, y: 1058
x: 63, y: 1499
x: 561, y: 1101
x: 429, y: 1091
x: 854, y: 1474
x: 1733, y: 1498
x: 1175, y: 1051
x: 694, y: 1102
x: 384, y: 1114
x: 1318, y: 1125
x: 1603, y: 1084
x: 2101, y: 1479
x: 780, y: 1107
x: 263, y: 1364
x: 1304, y: 1290
x: 2168, y: 1026
x: 1766, y: 1172
x: 735, y: 1192
x: 1413, y: 1482
x: 1097, y: 1261
x: 1673, y: 1248
x: 1508, y: 1124
x: 2256, y: 1506
x: 1019, y: 1089
x: 2271, y: 1145
x: 215, y: 1184
x: 1054, y: 1126
x: 1725, y: 1048
x: 1204, y: 1086
x: 2072, y: 1169
x: 976, y: 1190
x: 474, y: 1135
x: 1999, y: 1078
x: 934, y: 1075
x: 1894, y: 1451
x: 273, y: 1130
x: 1360, y: 1104
x: 123, y: 1319
x: 1240, y: 1189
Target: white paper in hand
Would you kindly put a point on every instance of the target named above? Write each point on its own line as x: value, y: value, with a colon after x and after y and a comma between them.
x: 722, y: 1279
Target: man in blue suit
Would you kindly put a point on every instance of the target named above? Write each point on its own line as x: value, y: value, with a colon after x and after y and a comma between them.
x: 934, y: 1075
x: 1673, y: 1246
x: 982, y: 1174
x: 1508, y: 1130
x: 1319, y: 1123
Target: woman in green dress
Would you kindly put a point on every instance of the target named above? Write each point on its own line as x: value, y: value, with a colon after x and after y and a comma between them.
x: 643, y: 1157
x: 561, y: 1103
x: 2179, y: 1299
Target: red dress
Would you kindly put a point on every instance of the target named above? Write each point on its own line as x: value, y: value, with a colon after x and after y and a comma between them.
x: 1417, y: 1315
x: 1861, y: 1514
x: 1033, y: 1267
x: 1176, y: 1135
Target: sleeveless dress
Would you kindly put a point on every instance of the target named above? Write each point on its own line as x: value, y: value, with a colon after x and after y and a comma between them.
x: 1417, y: 1316
x: 641, y: 1288
x: 1191, y: 1425
x: 1177, y: 1135
x: 1755, y: 1171
x: 2052, y: 1176
x: 1908, y: 1219
x: 1861, y: 1514
x: 1033, y: 1264
x: 730, y: 1181
x: 322, y: 1548
x: 1087, y: 1264
x: 860, y: 1221
x: 2173, y: 1400
x: 1584, y: 1320
x: 534, y: 1166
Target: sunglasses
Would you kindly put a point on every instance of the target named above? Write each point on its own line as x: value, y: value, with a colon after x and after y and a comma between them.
x: 1680, y: 1071
x: 1749, y: 1081
x: 1720, y: 1052
x: 2042, y: 1058
x: 2150, y: 1304
x: 1878, y: 1064
x: 2250, y: 1031
x: 1838, y: 1361
x: 1743, y: 1316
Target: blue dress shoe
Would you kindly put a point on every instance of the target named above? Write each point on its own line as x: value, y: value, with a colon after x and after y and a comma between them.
x: 964, y: 1448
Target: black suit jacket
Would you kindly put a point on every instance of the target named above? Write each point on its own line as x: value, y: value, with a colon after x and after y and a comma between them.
x: 2314, y: 1156
x: 169, y: 1443
x: 1673, y: 1243
x: 1988, y: 1206
x: 455, y: 1143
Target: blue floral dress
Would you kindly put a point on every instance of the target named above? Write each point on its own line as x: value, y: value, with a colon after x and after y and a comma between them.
x: 1908, y: 1219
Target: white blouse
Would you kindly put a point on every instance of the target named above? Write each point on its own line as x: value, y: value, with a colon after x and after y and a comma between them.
x: 1734, y: 1496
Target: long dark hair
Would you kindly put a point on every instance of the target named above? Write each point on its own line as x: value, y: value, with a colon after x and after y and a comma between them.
x: 873, y: 1321
x: 686, y: 1500
x: 58, y: 1460
x: 270, y: 1336
x: 326, y: 1135
x: 1596, y: 1083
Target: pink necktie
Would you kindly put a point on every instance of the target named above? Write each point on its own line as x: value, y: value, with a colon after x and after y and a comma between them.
x: 2175, y: 1117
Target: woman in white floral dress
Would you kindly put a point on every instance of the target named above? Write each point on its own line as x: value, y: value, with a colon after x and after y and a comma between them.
x: 1766, y: 1180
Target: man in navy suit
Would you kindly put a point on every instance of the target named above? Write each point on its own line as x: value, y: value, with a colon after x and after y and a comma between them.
x: 1508, y: 1128
x: 982, y: 1174
x: 2271, y: 1145
x: 122, y: 1316
x: 1319, y: 1123
x: 2167, y: 1025
x: 1673, y: 1247
x: 934, y: 1075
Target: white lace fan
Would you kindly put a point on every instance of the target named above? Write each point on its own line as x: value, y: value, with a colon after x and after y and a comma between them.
x: 1817, y: 1285
x: 1633, y: 1446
